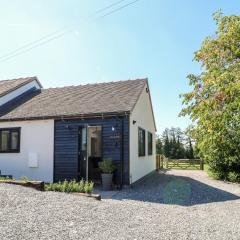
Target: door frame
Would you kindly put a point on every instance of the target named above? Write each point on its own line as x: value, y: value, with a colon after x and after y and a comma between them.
x: 80, y: 127
x: 79, y: 152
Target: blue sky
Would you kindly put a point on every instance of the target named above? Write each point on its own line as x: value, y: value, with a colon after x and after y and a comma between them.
x: 152, y: 38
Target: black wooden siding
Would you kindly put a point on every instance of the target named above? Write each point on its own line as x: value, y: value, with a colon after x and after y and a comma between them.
x: 66, y: 146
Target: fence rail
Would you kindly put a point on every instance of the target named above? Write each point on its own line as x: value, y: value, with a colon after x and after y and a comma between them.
x: 162, y: 162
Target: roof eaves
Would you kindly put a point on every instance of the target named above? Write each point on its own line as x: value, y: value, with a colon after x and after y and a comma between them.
x: 20, y: 85
x: 75, y: 116
x: 140, y: 92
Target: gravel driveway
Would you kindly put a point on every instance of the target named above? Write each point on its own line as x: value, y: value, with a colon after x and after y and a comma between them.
x: 172, y: 205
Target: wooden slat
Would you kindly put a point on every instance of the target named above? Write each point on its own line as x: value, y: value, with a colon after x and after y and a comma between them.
x: 179, y: 163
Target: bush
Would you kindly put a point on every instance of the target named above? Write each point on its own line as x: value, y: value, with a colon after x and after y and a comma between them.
x: 70, y: 186
x: 5, y: 178
x: 88, y: 188
x: 234, y: 177
x: 216, y: 175
x: 107, y: 166
x: 24, y: 178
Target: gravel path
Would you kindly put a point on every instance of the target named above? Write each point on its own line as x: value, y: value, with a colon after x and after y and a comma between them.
x: 174, y: 205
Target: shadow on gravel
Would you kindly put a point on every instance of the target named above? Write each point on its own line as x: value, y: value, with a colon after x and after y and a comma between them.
x: 177, y: 190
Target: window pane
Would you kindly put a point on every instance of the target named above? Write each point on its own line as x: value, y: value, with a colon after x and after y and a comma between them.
x: 84, y: 139
x: 95, y: 146
x: 4, y: 141
x: 150, y: 143
x: 14, y: 140
x: 141, y: 142
x: 9, y: 140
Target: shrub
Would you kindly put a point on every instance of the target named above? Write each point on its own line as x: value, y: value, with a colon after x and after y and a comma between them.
x: 233, y: 177
x: 5, y: 178
x: 107, y: 166
x: 81, y: 186
x: 216, y: 175
x: 70, y: 186
x: 88, y: 188
x: 24, y: 178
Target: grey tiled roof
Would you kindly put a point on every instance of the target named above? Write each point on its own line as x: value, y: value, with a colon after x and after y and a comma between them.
x: 90, y: 99
x: 7, y: 86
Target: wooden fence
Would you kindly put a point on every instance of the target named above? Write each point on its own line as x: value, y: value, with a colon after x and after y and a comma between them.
x: 162, y: 162
x: 159, y: 161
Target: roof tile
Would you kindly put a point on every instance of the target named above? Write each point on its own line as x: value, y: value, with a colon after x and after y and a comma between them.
x: 7, y: 86
x: 90, y: 99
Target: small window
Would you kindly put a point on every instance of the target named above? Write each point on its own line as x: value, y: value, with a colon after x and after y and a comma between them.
x: 150, y: 143
x: 141, y: 142
x: 9, y: 140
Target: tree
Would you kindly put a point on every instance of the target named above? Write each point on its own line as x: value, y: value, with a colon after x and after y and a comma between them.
x: 180, y: 149
x: 189, y: 150
x: 173, y: 143
x: 159, y: 146
x: 214, y: 102
x: 166, y: 143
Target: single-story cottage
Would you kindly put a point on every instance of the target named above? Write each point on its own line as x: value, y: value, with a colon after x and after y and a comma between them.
x: 63, y: 133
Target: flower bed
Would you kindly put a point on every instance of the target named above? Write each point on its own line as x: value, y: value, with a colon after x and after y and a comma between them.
x: 82, y: 188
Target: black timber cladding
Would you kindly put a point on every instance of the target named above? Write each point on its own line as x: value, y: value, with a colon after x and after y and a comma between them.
x: 66, y: 146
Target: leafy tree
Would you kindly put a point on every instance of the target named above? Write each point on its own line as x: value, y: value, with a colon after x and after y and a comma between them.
x: 214, y: 102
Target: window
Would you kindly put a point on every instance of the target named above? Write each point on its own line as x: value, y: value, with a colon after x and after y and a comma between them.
x: 9, y: 140
x: 141, y: 142
x: 150, y: 145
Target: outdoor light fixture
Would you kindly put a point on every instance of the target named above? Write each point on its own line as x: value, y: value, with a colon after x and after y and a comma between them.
x: 114, y: 127
x: 134, y: 122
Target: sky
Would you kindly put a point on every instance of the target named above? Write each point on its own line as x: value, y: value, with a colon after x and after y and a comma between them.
x: 151, y: 38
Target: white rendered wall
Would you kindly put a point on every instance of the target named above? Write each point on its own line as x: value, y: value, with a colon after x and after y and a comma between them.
x: 10, y: 96
x: 37, y: 138
x: 142, y: 114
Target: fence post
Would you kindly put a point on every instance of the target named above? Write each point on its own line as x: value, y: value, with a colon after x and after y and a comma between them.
x: 157, y: 162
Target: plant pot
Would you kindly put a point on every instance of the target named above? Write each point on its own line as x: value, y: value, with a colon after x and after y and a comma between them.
x: 107, y: 181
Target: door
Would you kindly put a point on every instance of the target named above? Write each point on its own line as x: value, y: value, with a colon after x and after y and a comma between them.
x: 94, y: 152
x: 82, y: 153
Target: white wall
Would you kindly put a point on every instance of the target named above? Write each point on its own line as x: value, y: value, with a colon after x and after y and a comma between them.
x: 8, y: 97
x: 37, y: 137
x: 142, y: 114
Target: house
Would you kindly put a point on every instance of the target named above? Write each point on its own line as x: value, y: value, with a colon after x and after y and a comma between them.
x: 62, y: 133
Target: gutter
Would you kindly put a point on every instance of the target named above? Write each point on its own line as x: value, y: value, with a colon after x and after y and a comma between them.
x: 68, y: 117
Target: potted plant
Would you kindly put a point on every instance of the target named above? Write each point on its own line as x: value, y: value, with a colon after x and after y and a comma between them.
x: 107, y: 167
